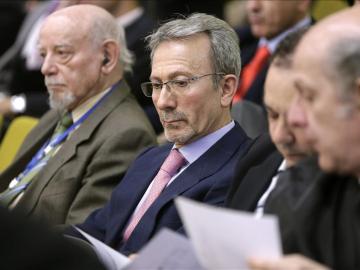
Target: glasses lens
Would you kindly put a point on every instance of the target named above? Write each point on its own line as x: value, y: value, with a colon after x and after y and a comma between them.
x: 147, y: 89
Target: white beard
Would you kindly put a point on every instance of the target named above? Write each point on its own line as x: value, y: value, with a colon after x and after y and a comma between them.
x: 61, y: 103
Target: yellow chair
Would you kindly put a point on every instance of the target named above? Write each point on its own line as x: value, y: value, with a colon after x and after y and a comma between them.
x: 14, y: 137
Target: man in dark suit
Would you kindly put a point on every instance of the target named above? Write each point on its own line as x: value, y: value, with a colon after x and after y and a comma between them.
x: 270, y: 22
x: 257, y: 173
x: 322, y: 221
x: 63, y: 175
x: 192, y: 86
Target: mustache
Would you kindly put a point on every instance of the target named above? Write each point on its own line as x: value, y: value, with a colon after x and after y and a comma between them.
x: 172, y: 116
x: 52, y: 81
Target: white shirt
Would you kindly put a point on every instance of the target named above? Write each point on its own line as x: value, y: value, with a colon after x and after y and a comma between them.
x: 259, y: 211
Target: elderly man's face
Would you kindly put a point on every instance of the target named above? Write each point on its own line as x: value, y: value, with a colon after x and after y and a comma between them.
x: 193, y: 112
x: 72, y: 64
x: 279, y: 92
x: 331, y: 125
x: 269, y: 18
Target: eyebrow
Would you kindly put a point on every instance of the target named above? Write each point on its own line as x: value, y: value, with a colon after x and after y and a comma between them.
x: 300, y: 85
x: 171, y: 75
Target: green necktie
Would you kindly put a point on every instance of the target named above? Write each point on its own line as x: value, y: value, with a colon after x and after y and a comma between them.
x: 10, y: 194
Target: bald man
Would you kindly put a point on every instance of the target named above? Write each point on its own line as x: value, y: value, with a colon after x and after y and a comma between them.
x: 71, y: 161
x: 324, y: 224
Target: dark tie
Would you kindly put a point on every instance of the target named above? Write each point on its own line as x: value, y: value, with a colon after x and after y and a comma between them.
x: 169, y: 168
x: 250, y: 72
x: 24, y: 179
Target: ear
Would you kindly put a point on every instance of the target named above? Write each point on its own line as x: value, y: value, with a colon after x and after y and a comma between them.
x: 228, y: 89
x: 110, y: 56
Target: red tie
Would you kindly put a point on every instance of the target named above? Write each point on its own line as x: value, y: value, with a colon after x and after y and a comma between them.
x: 169, y: 168
x: 250, y: 71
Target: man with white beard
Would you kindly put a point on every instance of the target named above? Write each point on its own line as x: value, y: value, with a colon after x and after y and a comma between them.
x: 79, y: 151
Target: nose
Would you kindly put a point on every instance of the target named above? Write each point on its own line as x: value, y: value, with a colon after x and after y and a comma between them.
x: 164, y: 99
x: 253, y: 5
x: 49, y: 66
x: 282, y: 134
x: 296, y: 113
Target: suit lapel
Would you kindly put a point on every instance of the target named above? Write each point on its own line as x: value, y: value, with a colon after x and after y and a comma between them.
x: 138, y: 183
x: 68, y: 150
x: 33, y: 142
x: 208, y: 164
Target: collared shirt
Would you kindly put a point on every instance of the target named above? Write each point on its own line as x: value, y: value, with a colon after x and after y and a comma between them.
x: 259, y: 211
x: 192, y: 152
x: 79, y: 111
x: 274, y: 42
x: 129, y: 17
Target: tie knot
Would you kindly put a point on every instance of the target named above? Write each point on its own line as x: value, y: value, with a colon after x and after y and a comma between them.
x: 262, y: 53
x: 173, y: 162
x: 66, y: 121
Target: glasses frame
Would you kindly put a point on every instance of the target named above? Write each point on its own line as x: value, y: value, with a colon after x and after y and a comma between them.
x: 188, y: 81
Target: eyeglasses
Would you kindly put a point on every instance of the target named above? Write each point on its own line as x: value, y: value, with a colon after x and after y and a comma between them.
x: 178, y: 86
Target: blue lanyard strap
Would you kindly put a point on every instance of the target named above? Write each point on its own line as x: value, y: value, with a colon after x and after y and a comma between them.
x: 60, y: 138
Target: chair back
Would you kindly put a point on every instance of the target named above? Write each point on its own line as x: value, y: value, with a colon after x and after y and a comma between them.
x: 14, y: 136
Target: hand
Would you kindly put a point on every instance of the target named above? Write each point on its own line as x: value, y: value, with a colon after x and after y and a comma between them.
x: 132, y: 256
x: 5, y: 106
x: 289, y: 262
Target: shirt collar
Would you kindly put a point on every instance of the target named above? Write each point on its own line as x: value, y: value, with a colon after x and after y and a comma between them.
x: 197, y: 148
x: 274, y: 42
x: 80, y: 110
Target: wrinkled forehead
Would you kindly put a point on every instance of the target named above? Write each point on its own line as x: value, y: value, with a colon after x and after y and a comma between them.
x: 62, y: 29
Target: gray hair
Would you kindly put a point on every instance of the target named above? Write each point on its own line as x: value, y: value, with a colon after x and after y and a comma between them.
x: 344, y: 65
x: 105, y: 28
x: 225, y: 51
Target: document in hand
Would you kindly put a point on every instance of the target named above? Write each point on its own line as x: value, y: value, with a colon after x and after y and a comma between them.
x: 224, y: 238
x: 167, y: 250
x: 111, y: 259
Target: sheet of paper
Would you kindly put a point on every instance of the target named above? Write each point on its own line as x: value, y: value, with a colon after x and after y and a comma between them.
x: 167, y: 250
x: 112, y: 259
x: 224, y: 238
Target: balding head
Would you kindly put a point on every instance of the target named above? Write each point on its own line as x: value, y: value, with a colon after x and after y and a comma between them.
x: 327, y: 66
x: 81, y: 49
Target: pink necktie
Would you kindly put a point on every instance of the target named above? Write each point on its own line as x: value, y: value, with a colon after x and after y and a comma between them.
x: 169, y: 168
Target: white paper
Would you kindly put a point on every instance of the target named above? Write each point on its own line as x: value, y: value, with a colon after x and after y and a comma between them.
x: 112, y: 259
x: 224, y: 238
x: 167, y: 250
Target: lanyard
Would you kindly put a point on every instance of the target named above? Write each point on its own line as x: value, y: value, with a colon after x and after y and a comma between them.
x: 49, y: 145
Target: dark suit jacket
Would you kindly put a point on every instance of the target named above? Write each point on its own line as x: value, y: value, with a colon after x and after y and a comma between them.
x: 28, y: 245
x: 319, y: 215
x: 82, y: 174
x: 135, y: 39
x: 206, y: 180
x: 253, y: 174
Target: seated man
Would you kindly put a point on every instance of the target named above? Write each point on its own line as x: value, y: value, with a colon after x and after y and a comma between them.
x: 269, y: 23
x: 323, y: 224
x: 67, y: 168
x: 195, y: 67
x: 257, y: 173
